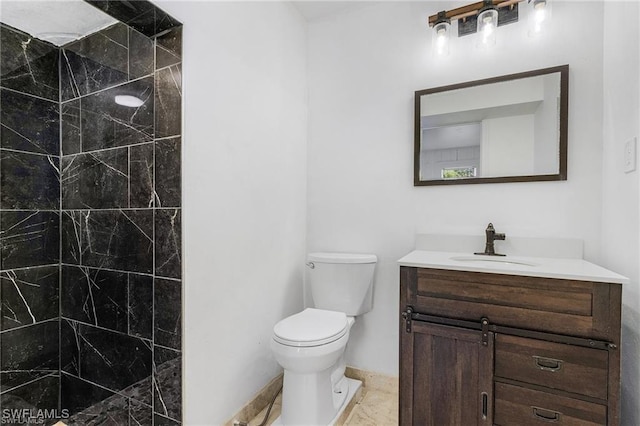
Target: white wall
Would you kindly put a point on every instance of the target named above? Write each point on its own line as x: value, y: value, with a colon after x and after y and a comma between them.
x: 546, y: 159
x: 507, y: 147
x: 245, y: 174
x: 244, y: 166
x: 364, y: 67
x: 620, y: 218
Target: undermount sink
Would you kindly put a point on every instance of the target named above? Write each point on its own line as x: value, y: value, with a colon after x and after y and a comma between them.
x: 492, y: 261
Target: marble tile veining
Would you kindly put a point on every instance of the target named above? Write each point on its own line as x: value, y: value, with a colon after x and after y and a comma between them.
x: 29, y: 123
x: 94, y: 62
x: 167, y: 243
x: 168, y: 92
x: 168, y: 172
x: 168, y: 314
x: 107, y: 124
x: 144, y: 16
x: 117, y: 239
x: 140, y: 54
x: 90, y: 221
x: 28, y: 64
x: 96, y: 180
x: 95, y: 296
x: 29, y: 238
x: 29, y: 181
x: 28, y: 296
x: 167, y: 387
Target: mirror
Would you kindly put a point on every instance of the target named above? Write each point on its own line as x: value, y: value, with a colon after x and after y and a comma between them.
x: 511, y: 128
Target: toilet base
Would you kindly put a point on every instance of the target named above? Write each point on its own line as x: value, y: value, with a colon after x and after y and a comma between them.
x: 354, y: 387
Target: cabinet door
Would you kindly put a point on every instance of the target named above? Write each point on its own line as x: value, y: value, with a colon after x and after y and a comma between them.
x: 446, y: 376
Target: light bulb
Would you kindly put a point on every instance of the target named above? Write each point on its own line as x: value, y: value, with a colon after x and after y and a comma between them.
x: 441, y: 38
x: 538, y: 17
x: 487, y: 23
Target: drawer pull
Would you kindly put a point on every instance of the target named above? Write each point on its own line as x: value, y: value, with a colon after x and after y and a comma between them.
x: 546, y: 415
x: 548, y: 364
x: 485, y: 405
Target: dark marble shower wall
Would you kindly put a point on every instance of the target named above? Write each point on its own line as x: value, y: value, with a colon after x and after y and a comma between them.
x: 120, y: 295
x: 29, y: 222
x: 91, y: 256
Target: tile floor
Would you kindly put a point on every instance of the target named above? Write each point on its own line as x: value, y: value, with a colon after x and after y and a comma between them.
x: 376, y: 408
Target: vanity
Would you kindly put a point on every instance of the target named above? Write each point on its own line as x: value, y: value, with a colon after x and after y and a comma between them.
x: 508, y: 341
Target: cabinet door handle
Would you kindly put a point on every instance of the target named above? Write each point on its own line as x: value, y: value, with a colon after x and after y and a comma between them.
x: 548, y: 364
x: 485, y: 405
x: 546, y: 415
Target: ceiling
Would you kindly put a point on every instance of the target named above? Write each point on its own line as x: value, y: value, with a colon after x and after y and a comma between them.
x: 55, y: 21
x: 314, y: 10
x: 62, y: 21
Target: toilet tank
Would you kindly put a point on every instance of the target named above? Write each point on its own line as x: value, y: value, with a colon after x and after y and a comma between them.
x: 342, y: 282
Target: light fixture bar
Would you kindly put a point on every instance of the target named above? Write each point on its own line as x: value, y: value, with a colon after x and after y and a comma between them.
x: 470, y: 10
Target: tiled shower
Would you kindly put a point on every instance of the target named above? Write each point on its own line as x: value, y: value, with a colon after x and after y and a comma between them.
x: 90, y: 223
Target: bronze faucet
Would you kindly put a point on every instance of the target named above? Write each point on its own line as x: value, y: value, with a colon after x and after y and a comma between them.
x: 492, y: 235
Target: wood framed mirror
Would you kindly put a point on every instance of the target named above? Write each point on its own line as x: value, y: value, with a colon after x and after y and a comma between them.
x: 511, y: 128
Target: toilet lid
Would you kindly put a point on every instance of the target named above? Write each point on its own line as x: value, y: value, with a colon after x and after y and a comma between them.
x: 311, y: 327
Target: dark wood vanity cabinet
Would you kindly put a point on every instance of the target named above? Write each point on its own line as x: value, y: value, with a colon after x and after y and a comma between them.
x: 492, y: 349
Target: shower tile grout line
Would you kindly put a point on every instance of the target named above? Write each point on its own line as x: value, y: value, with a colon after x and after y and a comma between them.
x: 112, y: 148
x: 60, y: 143
x: 52, y: 373
x: 29, y: 94
x: 21, y: 327
x: 104, y: 89
x: 20, y: 151
x: 146, y: 274
x: 105, y: 209
x: 24, y: 268
x: 153, y: 235
x: 166, y: 67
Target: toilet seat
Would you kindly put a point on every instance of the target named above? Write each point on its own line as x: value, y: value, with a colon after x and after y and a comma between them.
x: 311, y: 327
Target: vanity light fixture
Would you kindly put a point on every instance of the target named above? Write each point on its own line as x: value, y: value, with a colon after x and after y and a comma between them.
x: 487, y: 24
x: 483, y: 18
x: 442, y: 34
x: 539, y: 17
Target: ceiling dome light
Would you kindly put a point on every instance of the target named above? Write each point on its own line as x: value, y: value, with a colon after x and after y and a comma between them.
x: 129, y: 101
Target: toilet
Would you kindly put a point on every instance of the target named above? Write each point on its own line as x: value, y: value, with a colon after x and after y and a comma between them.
x: 310, y: 345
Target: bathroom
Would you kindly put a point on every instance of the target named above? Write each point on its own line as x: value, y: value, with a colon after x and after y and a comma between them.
x: 327, y: 164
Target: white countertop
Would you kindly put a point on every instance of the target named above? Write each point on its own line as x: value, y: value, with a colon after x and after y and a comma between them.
x: 563, y: 268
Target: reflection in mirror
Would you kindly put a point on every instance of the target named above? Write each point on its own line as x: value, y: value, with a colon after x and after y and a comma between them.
x: 504, y: 129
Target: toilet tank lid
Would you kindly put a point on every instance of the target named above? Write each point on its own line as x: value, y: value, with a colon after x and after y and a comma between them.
x: 342, y: 258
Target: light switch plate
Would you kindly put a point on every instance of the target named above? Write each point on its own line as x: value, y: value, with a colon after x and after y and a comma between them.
x: 630, y: 155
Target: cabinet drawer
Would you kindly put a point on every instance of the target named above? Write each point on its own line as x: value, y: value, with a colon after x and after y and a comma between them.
x: 569, y: 368
x: 515, y: 405
x: 576, y: 308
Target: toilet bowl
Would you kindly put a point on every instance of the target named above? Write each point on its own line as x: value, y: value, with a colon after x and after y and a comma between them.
x: 310, y: 345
